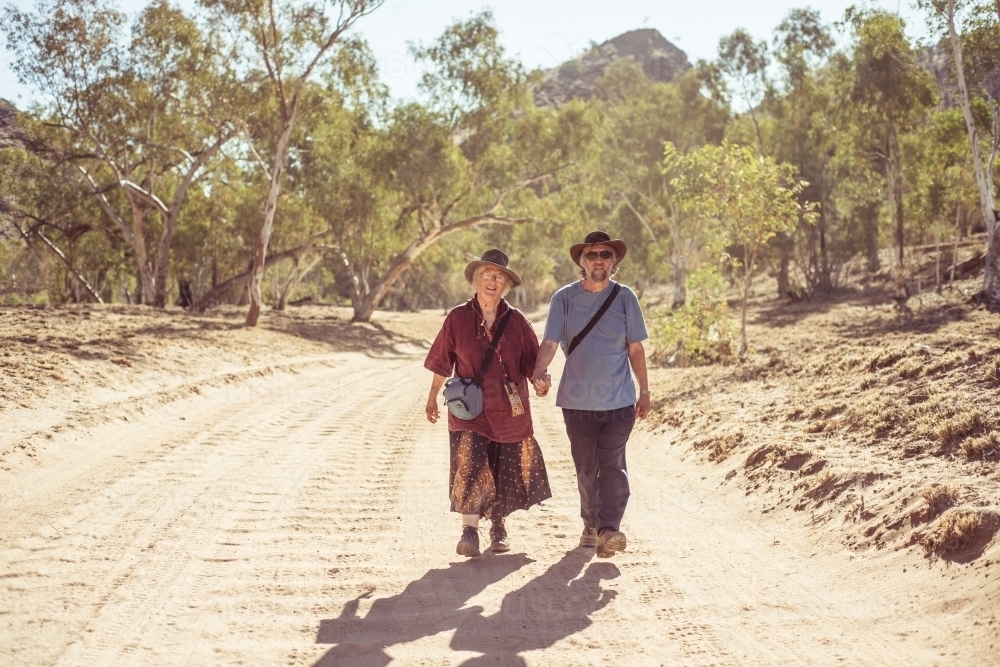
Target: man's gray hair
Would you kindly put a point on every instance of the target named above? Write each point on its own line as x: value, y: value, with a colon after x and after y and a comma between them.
x: 614, y: 260
x: 481, y: 269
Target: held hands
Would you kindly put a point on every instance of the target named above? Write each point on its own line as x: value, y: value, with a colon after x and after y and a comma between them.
x: 542, y: 382
x: 432, y: 412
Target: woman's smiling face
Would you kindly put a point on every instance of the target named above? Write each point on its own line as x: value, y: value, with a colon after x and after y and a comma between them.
x: 490, y: 285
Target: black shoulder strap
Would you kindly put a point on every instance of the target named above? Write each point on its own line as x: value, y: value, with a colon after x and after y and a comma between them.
x: 493, y: 346
x: 593, y: 320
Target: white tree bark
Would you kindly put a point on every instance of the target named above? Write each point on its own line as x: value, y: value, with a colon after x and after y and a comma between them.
x: 984, y: 181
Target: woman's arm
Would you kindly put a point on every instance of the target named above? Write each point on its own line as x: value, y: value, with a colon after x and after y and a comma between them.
x: 540, y: 378
x: 432, y: 409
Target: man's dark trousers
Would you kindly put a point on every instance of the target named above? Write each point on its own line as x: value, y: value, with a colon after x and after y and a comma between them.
x: 597, y: 441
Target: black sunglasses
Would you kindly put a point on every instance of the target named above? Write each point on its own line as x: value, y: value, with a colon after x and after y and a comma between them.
x: 604, y: 254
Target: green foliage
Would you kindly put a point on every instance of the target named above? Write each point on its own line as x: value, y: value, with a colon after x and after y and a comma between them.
x: 123, y: 176
x: 700, y: 331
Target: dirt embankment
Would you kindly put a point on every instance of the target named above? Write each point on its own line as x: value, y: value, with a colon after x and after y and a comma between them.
x: 880, y: 426
x: 66, y: 367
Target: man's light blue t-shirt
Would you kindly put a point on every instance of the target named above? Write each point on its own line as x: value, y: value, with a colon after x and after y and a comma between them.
x: 597, y: 375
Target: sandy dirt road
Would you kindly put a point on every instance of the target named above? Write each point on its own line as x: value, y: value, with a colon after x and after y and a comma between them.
x: 301, y: 519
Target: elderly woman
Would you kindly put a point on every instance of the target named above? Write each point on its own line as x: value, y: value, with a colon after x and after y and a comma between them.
x: 496, y: 464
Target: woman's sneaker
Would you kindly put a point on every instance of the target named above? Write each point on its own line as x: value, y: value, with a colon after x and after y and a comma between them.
x: 589, y: 537
x: 468, y: 546
x: 610, y: 542
x: 498, y: 538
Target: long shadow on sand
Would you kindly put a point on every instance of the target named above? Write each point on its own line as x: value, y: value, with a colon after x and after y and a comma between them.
x: 550, y: 607
x: 433, y: 603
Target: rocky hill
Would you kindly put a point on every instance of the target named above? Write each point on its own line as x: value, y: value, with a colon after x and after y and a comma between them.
x: 10, y: 134
x: 659, y: 59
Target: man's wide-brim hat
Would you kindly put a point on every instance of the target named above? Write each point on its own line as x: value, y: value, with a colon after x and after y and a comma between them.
x: 593, y: 238
x: 496, y: 259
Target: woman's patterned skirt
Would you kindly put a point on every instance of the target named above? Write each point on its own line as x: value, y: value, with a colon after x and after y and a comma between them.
x: 492, y: 479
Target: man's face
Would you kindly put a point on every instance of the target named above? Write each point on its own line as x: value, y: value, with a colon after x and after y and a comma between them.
x: 598, y: 260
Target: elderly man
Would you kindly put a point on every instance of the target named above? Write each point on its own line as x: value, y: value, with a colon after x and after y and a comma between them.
x: 599, y: 324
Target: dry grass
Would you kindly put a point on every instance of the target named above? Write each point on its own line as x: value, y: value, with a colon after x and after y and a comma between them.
x: 722, y: 446
x: 981, y: 446
x: 826, y: 410
x: 910, y: 368
x: 940, y: 497
x: 958, y: 427
x: 991, y: 371
x: 954, y: 531
x: 947, y: 362
x: 726, y: 444
x: 886, y: 358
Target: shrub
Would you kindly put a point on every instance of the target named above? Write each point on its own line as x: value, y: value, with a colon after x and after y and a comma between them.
x: 940, y: 497
x: 982, y: 446
x: 957, y: 428
x: 954, y: 531
x: 699, y: 332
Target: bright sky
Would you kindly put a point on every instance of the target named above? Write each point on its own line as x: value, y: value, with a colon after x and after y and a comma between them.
x: 545, y: 34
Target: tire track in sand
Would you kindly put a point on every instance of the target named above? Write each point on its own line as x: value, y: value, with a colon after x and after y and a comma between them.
x: 143, y: 538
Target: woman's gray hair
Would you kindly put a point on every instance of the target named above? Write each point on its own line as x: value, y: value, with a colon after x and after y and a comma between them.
x: 614, y: 261
x: 481, y: 269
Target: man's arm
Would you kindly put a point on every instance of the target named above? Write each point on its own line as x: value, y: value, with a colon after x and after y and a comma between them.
x: 546, y: 353
x: 637, y: 359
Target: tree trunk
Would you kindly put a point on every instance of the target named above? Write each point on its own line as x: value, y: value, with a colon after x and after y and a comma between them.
x: 991, y: 277
x: 144, y: 275
x: 65, y: 261
x: 294, y: 280
x: 937, y: 255
x: 260, y: 253
x: 170, y: 218
x: 954, y: 247
x: 868, y: 213
x: 741, y: 355
x: 786, y: 244
x: 895, y: 174
x: 825, y: 280
x: 749, y: 259
x: 680, y: 284
x: 240, y: 280
x: 365, y: 308
x: 991, y: 281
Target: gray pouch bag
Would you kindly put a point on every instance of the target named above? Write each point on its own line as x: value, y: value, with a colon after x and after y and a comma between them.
x: 463, y: 396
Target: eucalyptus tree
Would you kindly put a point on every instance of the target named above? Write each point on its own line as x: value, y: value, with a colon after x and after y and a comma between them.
x: 974, y: 38
x: 801, y: 106
x: 752, y: 198
x: 138, y: 117
x: 890, y: 89
x: 477, y: 152
x: 745, y: 63
x: 642, y: 117
x: 59, y: 255
x: 290, y: 41
x: 342, y: 173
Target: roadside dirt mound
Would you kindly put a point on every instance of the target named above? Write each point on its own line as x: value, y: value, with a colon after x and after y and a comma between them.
x: 77, y: 366
x: 880, y: 427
